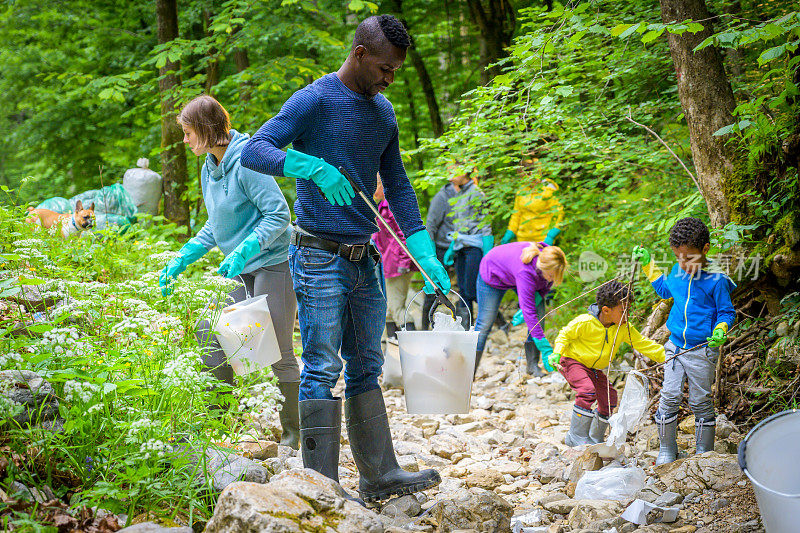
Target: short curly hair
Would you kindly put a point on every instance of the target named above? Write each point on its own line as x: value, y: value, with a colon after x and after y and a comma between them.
x: 689, y: 231
x: 612, y: 294
x: 375, y: 29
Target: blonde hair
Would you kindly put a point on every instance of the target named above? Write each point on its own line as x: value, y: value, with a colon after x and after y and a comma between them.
x: 551, y: 258
x: 208, y: 119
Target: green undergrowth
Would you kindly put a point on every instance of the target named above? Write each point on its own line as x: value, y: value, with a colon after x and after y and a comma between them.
x: 125, y: 368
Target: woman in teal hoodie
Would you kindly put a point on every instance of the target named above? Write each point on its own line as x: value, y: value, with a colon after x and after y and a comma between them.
x: 248, y: 219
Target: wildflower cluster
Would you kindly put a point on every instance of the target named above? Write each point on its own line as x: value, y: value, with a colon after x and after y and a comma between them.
x: 261, y: 402
x: 79, y: 391
x: 183, y: 372
x: 154, y: 448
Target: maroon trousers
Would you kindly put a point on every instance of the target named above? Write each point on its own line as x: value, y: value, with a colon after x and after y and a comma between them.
x: 590, y: 385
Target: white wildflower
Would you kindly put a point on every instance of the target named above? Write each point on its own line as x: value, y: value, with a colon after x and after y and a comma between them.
x: 79, y: 391
x: 154, y: 448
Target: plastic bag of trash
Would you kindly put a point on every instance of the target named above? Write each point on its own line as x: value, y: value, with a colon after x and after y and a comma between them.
x: 112, y: 205
x: 144, y: 186
x: 611, y: 483
x: 632, y: 407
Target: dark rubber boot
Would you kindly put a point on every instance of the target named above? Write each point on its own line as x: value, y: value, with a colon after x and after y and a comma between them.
x: 289, y: 414
x: 410, y: 326
x: 391, y: 330
x: 478, y: 355
x: 532, y: 360
x: 320, y: 429
x: 373, y: 452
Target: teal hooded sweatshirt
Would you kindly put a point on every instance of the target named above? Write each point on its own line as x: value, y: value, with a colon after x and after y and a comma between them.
x: 241, y: 201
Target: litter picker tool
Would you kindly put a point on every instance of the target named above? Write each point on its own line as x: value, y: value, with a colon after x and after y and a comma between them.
x: 440, y: 296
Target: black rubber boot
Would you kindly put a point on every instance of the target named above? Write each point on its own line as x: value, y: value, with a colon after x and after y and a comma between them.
x: 373, y: 452
x: 410, y: 326
x: 289, y: 414
x: 391, y: 330
x: 320, y: 429
x: 532, y: 359
x: 478, y: 355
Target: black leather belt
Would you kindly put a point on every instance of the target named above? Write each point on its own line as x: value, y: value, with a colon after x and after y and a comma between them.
x: 351, y: 252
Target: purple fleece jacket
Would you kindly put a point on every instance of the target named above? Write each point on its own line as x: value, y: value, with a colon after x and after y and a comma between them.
x: 503, y: 269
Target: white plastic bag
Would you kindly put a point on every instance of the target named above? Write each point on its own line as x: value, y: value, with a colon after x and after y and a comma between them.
x: 144, y: 186
x: 611, y: 483
x: 392, y: 371
x: 635, y: 397
x: 245, y: 332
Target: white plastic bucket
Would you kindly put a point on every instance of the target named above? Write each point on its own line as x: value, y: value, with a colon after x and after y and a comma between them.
x: 438, y: 367
x: 245, y: 332
x: 770, y: 457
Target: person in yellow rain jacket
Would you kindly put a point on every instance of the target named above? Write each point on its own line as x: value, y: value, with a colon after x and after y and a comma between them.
x: 537, y: 211
x: 584, y: 347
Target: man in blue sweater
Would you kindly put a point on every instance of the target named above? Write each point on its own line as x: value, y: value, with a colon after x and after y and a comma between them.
x: 342, y: 120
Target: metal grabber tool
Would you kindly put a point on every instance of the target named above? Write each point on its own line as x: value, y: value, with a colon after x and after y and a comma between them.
x: 440, y: 296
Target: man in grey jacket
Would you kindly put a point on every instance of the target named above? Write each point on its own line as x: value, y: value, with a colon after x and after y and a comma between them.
x: 456, y: 222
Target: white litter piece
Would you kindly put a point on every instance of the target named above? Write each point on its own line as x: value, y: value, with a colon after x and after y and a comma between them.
x: 642, y: 513
x: 610, y: 483
x: 446, y: 322
x: 632, y: 407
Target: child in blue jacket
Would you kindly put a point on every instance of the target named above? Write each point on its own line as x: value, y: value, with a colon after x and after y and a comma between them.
x: 698, y: 324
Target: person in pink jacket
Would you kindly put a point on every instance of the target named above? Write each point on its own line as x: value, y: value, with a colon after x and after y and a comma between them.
x: 397, y: 266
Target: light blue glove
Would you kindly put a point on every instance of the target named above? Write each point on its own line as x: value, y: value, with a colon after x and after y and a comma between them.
x: 334, y: 186
x: 421, y: 247
x: 235, y: 261
x: 518, y: 318
x: 551, y: 236
x: 546, y: 350
x: 189, y: 253
x: 448, y: 259
x: 508, y: 236
x: 488, y: 243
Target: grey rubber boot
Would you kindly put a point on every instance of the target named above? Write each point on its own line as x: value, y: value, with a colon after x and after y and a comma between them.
x: 579, y: 427
x: 373, y: 452
x: 532, y: 359
x: 289, y: 414
x: 391, y: 330
x: 667, y: 437
x: 597, y: 431
x: 705, y: 431
x: 320, y: 430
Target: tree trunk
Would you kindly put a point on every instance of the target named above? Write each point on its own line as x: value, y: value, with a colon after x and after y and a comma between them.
x: 707, y: 101
x: 496, y: 25
x: 212, y: 70
x: 173, y: 154
x: 242, y: 62
x: 424, y: 78
x: 412, y: 114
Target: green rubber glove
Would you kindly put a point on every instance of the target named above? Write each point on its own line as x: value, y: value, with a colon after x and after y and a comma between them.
x: 488, y: 244
x: 718, y: 337
x: 235, y: 261
x: 421, y: 247
x: 189, y: 253
x: 334, y: 186
x: 641, y: 254
x: 508, y: 236
x: 546, y: 350
x: 448, y: 260
x: 551, y: 236
x: 554, y: 360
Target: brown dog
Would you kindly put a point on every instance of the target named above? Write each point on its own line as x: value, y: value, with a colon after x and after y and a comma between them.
x: 69, y: 223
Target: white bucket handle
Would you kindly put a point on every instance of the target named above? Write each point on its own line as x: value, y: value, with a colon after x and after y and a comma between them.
x: 434, y: 306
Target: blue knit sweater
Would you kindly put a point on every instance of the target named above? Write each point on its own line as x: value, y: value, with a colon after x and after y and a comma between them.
x: 328, y: 120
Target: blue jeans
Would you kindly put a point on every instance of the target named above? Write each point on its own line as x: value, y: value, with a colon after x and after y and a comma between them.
x: 341, y: 309
x: 489, y: 299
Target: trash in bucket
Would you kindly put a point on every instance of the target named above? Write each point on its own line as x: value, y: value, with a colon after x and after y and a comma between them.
x: 438, y: 367
x: 770, y: 457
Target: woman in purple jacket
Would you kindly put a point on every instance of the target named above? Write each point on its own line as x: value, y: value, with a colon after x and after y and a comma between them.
x: 397, y: 266
x: 527, y: 268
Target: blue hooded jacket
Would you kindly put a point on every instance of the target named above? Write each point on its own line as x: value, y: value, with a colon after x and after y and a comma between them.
x: 241, y: 201
x: 701, y: 302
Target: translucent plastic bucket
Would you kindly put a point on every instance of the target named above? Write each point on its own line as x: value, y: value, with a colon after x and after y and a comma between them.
x: 245, y: 333
x: 438, y: 367
x: 770, y: 457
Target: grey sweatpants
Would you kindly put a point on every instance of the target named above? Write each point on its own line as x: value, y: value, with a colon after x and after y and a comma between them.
x: 276, y: 282
x: 698, y: 367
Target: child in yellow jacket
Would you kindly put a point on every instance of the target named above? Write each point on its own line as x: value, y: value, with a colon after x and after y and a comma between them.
x: 584, y: 347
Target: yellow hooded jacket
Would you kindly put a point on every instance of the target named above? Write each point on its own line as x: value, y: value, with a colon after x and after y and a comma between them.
x: 536, y: 211
x: 586, y: 340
